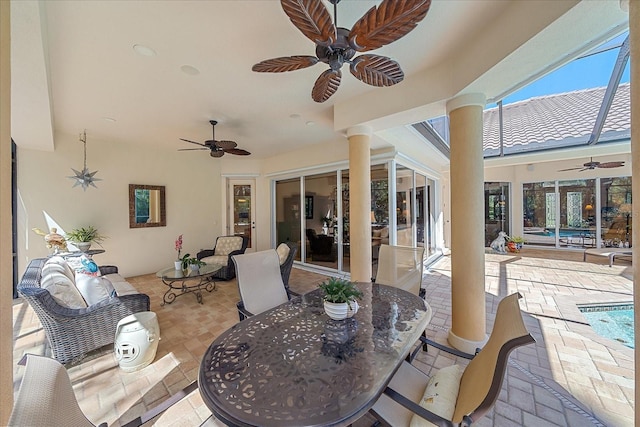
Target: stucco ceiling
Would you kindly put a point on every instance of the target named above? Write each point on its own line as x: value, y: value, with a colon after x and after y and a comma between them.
x: 74, y: 68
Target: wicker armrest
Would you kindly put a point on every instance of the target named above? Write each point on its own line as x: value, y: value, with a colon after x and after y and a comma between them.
x: 204, y: 253
x: 108, y: 269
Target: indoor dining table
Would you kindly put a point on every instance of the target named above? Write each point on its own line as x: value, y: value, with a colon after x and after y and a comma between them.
x: 294, y: 366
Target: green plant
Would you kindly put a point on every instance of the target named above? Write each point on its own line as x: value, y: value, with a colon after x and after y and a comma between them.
x: 85, y: 234
x: 340, y: 290
x: 187, y: 260
x: 516, y: 239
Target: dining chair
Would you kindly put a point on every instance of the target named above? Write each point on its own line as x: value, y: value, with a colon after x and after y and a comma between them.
x: 259, y: 281
x: 456, y: 395
x: 46, y: 397
x: 401, y: 267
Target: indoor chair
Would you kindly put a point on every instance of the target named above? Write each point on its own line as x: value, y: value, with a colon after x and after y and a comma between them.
x: 259, y: 282
x: 456, y: 395
x: 225, y: 248
x: 287, y: 253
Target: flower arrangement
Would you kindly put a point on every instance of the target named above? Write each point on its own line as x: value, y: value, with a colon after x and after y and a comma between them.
x: 187, y: 260
x: 179, y: 246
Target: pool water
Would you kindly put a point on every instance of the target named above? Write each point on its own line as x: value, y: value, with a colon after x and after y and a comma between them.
x: 612, y: 321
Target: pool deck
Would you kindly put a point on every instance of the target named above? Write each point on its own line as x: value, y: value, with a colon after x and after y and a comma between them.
x: 570, y: 377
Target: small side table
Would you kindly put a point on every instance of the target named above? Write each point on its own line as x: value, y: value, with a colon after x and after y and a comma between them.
x: 136, y: 341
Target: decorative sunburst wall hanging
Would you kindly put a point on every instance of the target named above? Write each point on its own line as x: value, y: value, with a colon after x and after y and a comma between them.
x: 84, y: 177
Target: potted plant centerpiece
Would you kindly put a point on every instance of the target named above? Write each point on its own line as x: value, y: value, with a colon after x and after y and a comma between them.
x: 340, y: 298
x: 515, y: 243
x: 83, y: 237
x: 193, y: 263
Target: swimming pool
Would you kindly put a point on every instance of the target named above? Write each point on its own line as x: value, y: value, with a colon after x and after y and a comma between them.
x: 613, y: 321
x: 563, y: 233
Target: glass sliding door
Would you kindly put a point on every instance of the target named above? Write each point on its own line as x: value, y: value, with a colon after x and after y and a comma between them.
x: 404, y: 206
x: 539, y: 213
x: 288, y: 210
x: 577, y: 227
x: 422, y: 212
x: 379, y: 209
x: 321, y: 221
x: 615, y: 205
x: 496, y: 210
x: 346, y: 245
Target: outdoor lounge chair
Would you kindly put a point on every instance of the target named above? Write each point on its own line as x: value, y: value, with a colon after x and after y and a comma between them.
x: 223, y: 250
x: 259, y: 282
x: 456, y: 395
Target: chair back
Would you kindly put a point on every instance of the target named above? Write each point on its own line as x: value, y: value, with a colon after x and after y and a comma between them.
x: 46, y: 397
x: 400, y: 267
x: 227, y: 244
x: 482, y: 379
x: 259, y: 280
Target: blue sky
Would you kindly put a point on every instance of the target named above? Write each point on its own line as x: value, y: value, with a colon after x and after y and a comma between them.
x: 587, y: 72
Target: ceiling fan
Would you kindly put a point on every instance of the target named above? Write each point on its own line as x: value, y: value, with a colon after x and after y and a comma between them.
x: 381, y: 25
x: 217, y: 148
x: 590, y: 165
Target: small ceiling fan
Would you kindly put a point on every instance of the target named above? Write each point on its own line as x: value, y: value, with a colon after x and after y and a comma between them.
x: 217, y: 148
x: 381, y: 25
x: 590, y: 165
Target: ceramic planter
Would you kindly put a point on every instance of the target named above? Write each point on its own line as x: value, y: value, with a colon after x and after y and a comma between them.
x: 336, y: 311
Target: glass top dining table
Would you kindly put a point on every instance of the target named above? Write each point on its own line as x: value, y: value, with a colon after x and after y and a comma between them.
x: 294, y: 366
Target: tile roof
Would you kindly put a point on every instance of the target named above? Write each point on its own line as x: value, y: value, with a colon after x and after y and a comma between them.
x: 556, y: 121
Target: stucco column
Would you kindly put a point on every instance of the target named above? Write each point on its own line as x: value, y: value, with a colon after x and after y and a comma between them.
x: 468, y: 327
x: 6, y: 255
x: 360, y: 202
x: 633, y: 6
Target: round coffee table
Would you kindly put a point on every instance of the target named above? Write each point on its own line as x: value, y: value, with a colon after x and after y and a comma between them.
x: 181, y: 282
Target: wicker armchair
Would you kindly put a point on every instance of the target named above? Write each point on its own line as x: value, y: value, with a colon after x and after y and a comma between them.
x: 74, y: 332
x: 223, y: 250
x: 285, y: 267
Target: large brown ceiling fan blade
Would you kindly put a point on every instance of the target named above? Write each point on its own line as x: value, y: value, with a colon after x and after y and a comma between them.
x: 570, y: 169
x: 191, y: 149
x: 608, y: 165
x: 326, y: 85
x: 285, y: 63
x: 391, y: 20
x: 226, y: 145
x: 192, y: 142
x: 312, y: 19
x: 237, y: 151
x: 376, y: 70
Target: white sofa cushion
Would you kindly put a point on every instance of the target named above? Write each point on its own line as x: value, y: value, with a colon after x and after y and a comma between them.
x: 121, y: 286
x: 440, y: 395
x: 94, y: 289
x: 58, y: 260
x: 55, y: 279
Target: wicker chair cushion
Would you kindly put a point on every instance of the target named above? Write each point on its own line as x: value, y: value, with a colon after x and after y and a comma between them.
x: 226, y: 245
x: 58, y: 260
x: 440, y: 395
x: 62, y: 289
x: 216, y: 259
x: 283, y: 252
x: 121, y: 286
x: 94, y: 289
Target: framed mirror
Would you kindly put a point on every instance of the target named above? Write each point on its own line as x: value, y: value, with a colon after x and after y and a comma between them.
x: 147, y: 206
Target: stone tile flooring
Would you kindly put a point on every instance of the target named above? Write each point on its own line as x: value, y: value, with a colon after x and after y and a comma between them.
x: 570, y: 377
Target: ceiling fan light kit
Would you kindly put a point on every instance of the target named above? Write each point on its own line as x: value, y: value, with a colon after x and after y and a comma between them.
x: 381, y: 25
x: 216, y: 148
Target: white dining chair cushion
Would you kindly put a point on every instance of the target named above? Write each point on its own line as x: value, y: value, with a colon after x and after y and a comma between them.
x: 283, y: 252
x: 440, y: 395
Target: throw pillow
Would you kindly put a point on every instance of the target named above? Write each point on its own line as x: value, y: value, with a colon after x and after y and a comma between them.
x: 440, y: 395
x: 94, y: 289
x: 62, y: 289
x: 283, y: 252
x: 58, y: 260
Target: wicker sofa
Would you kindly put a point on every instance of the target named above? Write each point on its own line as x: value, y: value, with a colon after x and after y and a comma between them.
x: 223, y: 250
x: 73, y: 332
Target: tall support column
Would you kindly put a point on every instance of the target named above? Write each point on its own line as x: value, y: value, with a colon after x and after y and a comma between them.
x: 6, y: 251
x: 360, y: 202
x: 468, y: 327
x: 634, y: 58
